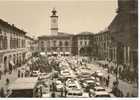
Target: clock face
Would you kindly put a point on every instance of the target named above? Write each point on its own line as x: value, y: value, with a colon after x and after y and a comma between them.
x: 54, y: 20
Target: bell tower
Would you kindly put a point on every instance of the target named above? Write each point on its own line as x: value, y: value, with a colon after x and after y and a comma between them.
x: 54, y: 22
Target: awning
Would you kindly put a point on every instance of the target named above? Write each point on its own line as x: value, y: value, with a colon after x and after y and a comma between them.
x: 55, y: 52
x: 100, y: 74
x: 61, y: 52
x: 12, y: 63
x: 42, y: 53
x: 49, y: 53
x: 67, y: 53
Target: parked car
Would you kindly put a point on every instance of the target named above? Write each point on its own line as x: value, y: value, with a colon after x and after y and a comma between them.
x: 35, y: 73
x: 101, y: 94
x: 87, y: 84
x: 59, y: 85
x: 42, y: 75
x: 97, y: 89
x: 74, y: 92
x: 97, y: 84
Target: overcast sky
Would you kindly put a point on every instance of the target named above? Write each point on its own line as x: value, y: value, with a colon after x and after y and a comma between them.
x: 74, y: 17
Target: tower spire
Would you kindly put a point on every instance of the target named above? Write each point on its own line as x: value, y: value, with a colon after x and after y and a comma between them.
x: 54, y: 22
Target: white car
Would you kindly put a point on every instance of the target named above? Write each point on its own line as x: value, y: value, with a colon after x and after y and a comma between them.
x: 101, y: 94
x: 65, y: 73
x: 59, y: 85
x: 42, y: 75
x: 70, y: 81
x: 45, y: 93
x: 74, y: 92
x: 35, y: 73
x: 99, y: 88
x: 97, y: 84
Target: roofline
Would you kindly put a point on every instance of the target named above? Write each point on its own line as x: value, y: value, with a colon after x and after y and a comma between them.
x: 12, y: 27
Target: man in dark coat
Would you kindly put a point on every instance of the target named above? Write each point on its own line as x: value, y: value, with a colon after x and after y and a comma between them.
x: 2, y: 92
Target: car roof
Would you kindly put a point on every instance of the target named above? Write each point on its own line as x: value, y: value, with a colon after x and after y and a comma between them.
x: 98, y: 87
x: 101, y: 93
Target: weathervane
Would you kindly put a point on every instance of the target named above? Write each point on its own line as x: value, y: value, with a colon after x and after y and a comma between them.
x: 54, y: 12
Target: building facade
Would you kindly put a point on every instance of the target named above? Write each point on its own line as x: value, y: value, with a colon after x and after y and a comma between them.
x: 12, y: 46
x: 57, y: 42
x: 15, y: 47
x: 83, y: 43
x: 103, y: 46
x: 124, y: 31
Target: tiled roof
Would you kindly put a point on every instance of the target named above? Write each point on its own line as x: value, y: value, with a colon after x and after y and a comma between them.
x: 64, y: 34
x: 11, y: 26
x: 85, y: 33
x: 60, y: 34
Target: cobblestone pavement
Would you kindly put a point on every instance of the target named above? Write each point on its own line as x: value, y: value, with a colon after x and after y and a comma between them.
x: 12, y: 77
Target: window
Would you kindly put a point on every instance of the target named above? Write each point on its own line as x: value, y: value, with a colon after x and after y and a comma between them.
x: 0, y: 31
x: 48, y: 43
x: 54, y: 43
x: 66, y: 43
x: 5, y: 42
x: 60, y: 43
x: 85, y: 43
x: 81, y: 42
x: 1, y: 42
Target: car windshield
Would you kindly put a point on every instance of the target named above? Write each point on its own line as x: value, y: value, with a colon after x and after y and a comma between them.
x: 102, y: 96
x: 58, y: 82
x: 99, y: 89
x: 72, y: 87
x: 43, y: 74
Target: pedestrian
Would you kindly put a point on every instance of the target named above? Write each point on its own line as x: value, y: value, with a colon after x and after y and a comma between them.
x: 18, y: 73
x: 0, y: 74
x: 108, y: 77
x: 89, y: 93
x: 40, y: 91
x: 132, y: 95
x: 7, y: 81
x: 61, y: 92
x: 127, y: 95
x: 65, y: 92
x: 107, y: 82
x: 2, y: 92
x: 121, y: 94
x: 22, y: 74
x: 53, y: 94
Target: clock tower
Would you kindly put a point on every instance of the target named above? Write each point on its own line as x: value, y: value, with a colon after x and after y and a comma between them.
x: 54, y: 22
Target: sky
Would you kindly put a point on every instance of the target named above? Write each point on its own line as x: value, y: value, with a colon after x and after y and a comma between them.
x: 74, y: 16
